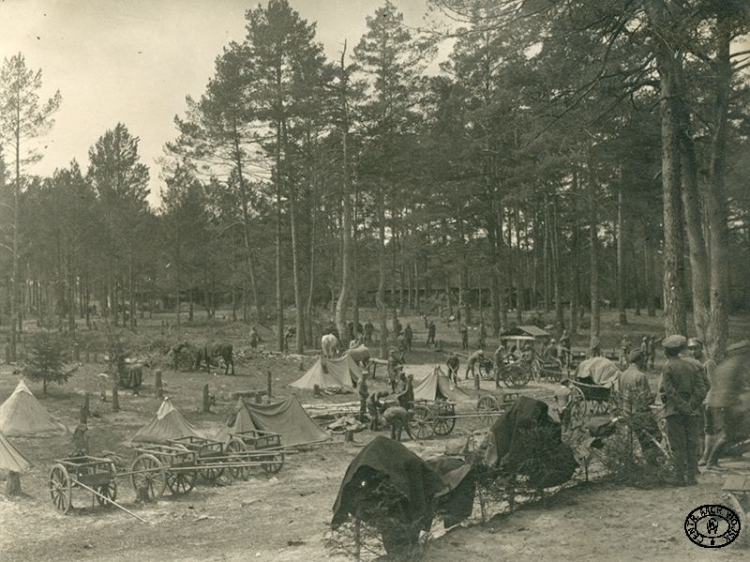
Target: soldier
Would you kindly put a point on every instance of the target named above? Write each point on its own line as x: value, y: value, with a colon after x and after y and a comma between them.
x: 563, y: 403
x: 398, y: 417
x: 431, y: 333
x: 550, y: 354
x: 369, y: 329
x: 652, y: 342
x: 482, y: 336
x: 254, y: 338
x: 464, y: 337
x: 478, y: 355
x: 636, y: 405
x: 453, y: 364
x: 374, y: 406
x: 624, y: 350
x: 394, y: 366
x: 682, y: 392
x: 408, y: 336
x: 405, y: 394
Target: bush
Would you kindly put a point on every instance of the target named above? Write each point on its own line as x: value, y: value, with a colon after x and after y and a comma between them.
x: 46, y: 362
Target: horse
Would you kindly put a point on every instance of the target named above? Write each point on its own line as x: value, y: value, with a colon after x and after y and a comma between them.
x: 224, y: 351
x: 329, y: 345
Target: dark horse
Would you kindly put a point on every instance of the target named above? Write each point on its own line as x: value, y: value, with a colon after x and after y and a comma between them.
x: 217, y: 350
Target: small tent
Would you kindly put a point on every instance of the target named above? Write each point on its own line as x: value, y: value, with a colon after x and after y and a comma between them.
x: 437, y: 386
x: 600, y: 370
x: 340, y: 373
x: 22, y: 414
x: 288, y: 418
x: 10, y: 458
x: 168, y: 424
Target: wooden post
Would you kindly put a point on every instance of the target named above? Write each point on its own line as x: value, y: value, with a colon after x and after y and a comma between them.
x: 86, y: 409
x: 476, y: 381
x: 158, y: 384
x: 316, y: 391
x: 13, y: 485
x: 206, y: 399
x: 115, y: 398
x: 269, y: 384
x: 349, y: 436
x: 258, y: 398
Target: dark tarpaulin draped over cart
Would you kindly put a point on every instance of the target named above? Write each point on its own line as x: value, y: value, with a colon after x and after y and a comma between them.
x: 527, y: 441
x: 287, y: 418
x: 456, y: 501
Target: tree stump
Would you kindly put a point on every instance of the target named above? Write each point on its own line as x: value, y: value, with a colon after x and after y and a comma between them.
x: 115, y: 398
x: 206, y: 399
x: 158, y: 384
x: 86, y: 408
x: 13, y: 485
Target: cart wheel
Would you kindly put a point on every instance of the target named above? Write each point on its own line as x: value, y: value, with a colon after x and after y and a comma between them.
x: 273, y: 463
x: 233, y: 447
x: 445, y: 420
x: 148, y: 475
x: 615, y: 402
x: 556, y: 374
x: 61, y: 488
x: 599, y: 407
x: 577, y: 406
x: 422, y: 422
x: 536, y: 369
x: 108, y: 490
x: 486, y: 407
x: 212, y: 474
x: 518, y: 376
x: 181, y: 482
x: 486, y: 371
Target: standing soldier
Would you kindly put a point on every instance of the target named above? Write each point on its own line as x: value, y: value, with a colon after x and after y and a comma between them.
x: 682, y: 392
x: 408, y: 336
x: 566, y: 352
x: 369, y: 329
x: 478, y: 355
x: 636, y: 405
x: 394, y: 365
x: 624, y: 350
x: 464, y: 337
x: 453, y: 365
x: 695, y: 345
x: 652, y: 341
x: 431, y: 333
x: 482, y: 336
x: 254, y: 338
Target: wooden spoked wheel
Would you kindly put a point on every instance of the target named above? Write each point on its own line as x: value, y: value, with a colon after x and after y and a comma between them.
x: 422, y: 422
x: 445, y: 420
x: 273, y: 463
x: 486, y: 408
x: 181, y: 481
x: 599, y: 407
x: 518, y: 376
x: 61, y: 488
x: 211, y: 474
x: 577, y: 406
x: 233, y: 447
x: 148, y: 477
x: 108, y: 490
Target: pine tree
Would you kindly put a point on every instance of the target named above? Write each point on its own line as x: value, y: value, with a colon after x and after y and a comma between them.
x: 46, y: 360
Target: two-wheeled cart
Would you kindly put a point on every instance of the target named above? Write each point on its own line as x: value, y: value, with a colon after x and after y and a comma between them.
x: 93, y: 474
x: 254, y: 447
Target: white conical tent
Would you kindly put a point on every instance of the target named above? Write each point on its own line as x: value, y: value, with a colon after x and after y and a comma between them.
x: 10, y: 458
x: 22, y: 414
x: 438, y: 386
x: 336, y: 373
x: 168, y: 424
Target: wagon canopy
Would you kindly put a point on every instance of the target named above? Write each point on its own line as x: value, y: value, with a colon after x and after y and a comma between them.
x: 437, y: 386
x: 600, y: 369
x: 529, y: 331
x: 168, y: 424
x: 22, y: 414
x: 11, y: 458
x: 287, y: 418
x: 340, y: 373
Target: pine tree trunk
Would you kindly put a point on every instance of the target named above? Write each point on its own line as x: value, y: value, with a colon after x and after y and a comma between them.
x: 623, y: 318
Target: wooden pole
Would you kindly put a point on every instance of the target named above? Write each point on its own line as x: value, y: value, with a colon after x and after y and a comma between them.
x: 158, y: 384
x: 86, y: 409
x: 115, y: 398
x: 269, y: 384
x: 206, y: 399
x: 117, y: 505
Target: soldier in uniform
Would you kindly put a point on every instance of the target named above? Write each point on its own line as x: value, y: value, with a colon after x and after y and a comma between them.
x: 478, y: 355
x: 682, y: 392
x: 636, y: 405
x: 464, y: 337
x: 453, y: 364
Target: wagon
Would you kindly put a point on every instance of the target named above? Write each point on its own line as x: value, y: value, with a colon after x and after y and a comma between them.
x: 209, y: 454
x: 489, y: 406
x: 262, y: 447
x: 590, y: 398
x: 429, y: 418
x: 159, y: 466
x: 551, y: 370
x: 93, y: 474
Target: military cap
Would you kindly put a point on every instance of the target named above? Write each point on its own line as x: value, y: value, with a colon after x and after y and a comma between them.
x: 674, y: 342
x: 635, y: 355
x: 694, y: 342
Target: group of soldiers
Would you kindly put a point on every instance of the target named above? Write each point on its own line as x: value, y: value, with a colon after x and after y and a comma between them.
x: 396, y: 415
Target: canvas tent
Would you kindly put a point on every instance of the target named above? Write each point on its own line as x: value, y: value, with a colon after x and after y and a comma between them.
x: 10, y: 458
x: 22, y: 414
x: 340, y: 373
x: 600, y: 370
x: 287, y: 418
x: 167, y: 424
x: 437, y: 386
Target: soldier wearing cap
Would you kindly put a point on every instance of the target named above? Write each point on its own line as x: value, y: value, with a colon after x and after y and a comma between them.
x: 636, y: 405
x: 478, y: 355
x: 682, y: 392
x: 708, y: 366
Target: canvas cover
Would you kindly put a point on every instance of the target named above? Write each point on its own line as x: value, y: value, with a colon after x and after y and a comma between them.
x: 22, y: 414
x: 167, y: 424
x: 437, y: 386
x: 527, y: 441
x: 10, y: 457
x: 385, y: 461
x: 340, y: 373
x: 287, y: 418
x: 456, y: 502
x: 600, y: 370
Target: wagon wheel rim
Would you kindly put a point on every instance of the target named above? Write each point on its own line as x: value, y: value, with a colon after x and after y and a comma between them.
x: 212, y: 474
x: 599, y: 407
x: 233, y: 447
x: 61, y: 488
x: 149, y: 475
x: 422, y: 422
x: 615, y: 402
x: 444, y: 424
x: 108, y: 490
x: 518, y: 376
x: 486, y: 405
x: 536, y: 369
x: 181, y: 482
x: 273, y: 463
x: 577, y: 405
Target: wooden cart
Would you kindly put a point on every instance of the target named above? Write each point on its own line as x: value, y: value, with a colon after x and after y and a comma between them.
x: 159, y: 466
x: 209, y: 455
x: 254, y: 446
x: 96, y: 475
x: 489, y: 407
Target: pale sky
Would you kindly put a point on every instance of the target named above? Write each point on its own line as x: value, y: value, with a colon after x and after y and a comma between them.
x: 134, y: 61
